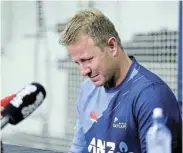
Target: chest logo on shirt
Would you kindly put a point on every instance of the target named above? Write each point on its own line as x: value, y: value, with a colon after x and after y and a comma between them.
x: 93, y: 116
x: 118, y: 124
x: 100, y: 146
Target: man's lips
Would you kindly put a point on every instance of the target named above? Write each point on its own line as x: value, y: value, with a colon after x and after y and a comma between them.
x: 94, y: 78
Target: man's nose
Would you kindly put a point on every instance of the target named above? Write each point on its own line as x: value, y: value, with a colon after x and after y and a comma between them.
x: 84, y: 71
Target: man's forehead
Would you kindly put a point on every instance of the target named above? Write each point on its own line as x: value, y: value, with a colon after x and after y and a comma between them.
x: 81, y: 45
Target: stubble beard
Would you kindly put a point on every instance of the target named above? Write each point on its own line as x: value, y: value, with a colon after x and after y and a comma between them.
x: 110, y: 83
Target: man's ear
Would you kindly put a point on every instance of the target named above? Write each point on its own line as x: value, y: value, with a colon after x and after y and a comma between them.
x: 112, y: 44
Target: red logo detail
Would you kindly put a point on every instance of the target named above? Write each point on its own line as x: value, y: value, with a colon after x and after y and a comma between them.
x: 4, y: 101
x: 93, y: 115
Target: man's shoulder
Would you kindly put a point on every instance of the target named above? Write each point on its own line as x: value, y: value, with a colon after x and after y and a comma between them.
x: 147, y: 86
x: 150, y: 75
x: 154, y: 94
x: 147, y: 80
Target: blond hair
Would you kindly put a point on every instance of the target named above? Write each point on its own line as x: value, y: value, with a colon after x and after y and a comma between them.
x: 91, y: 22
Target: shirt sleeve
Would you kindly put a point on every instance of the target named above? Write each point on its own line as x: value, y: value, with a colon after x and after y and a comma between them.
x: 158, y: 96
x: 79, y: 141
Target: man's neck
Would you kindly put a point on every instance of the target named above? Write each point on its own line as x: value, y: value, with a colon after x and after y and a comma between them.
x: 124, y: 63
x: 123, y: 68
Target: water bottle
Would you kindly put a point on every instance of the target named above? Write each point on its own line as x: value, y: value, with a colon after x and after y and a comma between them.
x: 158, y: 138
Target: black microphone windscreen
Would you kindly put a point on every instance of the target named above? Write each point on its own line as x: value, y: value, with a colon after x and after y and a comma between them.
x: 25, y: 102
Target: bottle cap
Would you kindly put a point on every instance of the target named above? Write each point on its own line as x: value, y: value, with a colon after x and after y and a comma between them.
x: 157, y: 112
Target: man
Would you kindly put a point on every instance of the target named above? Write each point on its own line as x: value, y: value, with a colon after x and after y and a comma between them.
x: 115, y: 104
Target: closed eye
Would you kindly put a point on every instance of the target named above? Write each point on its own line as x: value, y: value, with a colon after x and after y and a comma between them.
x: 83, y: 60
x: 88, y: 59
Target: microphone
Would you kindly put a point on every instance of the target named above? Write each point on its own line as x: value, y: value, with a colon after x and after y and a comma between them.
x: 23, y: 104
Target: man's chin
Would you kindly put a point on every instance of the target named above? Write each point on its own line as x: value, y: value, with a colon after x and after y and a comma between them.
x: 98, y: 83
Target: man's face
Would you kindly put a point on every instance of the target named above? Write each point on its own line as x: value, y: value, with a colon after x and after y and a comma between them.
x: 97, y: 64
